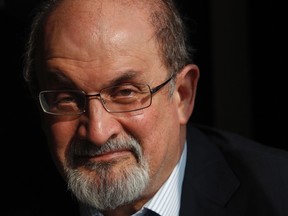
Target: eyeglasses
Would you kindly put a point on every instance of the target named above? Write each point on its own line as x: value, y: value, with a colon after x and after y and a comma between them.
x: 126, y: 97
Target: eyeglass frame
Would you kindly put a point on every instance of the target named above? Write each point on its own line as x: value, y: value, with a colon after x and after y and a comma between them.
x: 152, y: 91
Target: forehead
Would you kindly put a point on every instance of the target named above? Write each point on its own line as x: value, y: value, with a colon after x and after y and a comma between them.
x: 89, y: 28
x: 108, y: 24
x: 108, y: 36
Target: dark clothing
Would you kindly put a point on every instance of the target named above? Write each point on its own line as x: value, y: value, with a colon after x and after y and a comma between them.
x: 226, y: 175
x: 229, y: 175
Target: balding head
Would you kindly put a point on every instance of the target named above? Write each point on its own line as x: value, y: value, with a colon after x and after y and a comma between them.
x: 166, y: 27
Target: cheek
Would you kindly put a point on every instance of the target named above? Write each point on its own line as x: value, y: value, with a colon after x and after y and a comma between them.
x: 58, y: 136
x: 158, y: 132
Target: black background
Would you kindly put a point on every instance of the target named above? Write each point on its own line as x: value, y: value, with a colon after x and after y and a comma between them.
x: 243, y: 86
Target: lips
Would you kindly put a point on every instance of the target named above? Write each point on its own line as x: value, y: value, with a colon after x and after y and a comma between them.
x: 110, y: 155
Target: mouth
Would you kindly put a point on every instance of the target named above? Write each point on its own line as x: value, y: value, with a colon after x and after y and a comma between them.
x: 108, y: 157
x: 111, y: 156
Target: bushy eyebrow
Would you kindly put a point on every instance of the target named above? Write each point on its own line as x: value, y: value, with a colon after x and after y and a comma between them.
x: 59, y: 78
x: 127, y: 76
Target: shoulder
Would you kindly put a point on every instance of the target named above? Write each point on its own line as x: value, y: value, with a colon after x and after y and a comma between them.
x: 244, y: 156
x: 260, y: 170
x: 235, y: 144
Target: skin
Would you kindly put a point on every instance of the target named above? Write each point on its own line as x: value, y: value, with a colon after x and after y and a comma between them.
x: 87, y: 50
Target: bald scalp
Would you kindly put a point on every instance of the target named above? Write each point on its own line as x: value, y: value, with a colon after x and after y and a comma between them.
x: 104, y: 25
x: 150, y: 11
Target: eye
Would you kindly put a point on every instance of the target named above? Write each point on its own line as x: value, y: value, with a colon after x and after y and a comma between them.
x: 64, y: 97
x: 123, y: 91
x: 65, y: 102
x: 125, y: 94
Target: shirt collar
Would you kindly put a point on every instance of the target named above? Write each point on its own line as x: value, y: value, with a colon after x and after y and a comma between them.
x: 168, y: 198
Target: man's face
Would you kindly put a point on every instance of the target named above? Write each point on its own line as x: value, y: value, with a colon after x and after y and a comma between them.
x: 85, y: 49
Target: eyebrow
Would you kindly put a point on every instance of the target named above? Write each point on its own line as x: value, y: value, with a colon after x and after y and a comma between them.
x: 57, y: 77
x: 127, y: 76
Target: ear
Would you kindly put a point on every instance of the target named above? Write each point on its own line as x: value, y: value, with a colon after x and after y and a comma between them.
x: 186, y: 86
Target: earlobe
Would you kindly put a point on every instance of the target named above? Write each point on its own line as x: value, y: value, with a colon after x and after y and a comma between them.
x: 186, y: 87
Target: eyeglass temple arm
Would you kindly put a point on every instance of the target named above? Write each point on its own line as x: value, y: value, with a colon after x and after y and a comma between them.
x: 157, y: 88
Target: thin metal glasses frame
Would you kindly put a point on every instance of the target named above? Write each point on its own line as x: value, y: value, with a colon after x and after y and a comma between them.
x: 152, y: 92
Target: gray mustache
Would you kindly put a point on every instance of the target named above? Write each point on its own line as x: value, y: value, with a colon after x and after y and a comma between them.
x: 85, y: 148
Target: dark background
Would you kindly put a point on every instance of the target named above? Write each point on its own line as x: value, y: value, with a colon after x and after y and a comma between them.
x: 241, y: 46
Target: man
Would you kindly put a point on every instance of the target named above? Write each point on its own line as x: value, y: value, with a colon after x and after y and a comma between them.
x: 116, y: 88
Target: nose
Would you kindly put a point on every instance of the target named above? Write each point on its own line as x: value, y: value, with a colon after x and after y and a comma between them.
x: 97, y: 125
